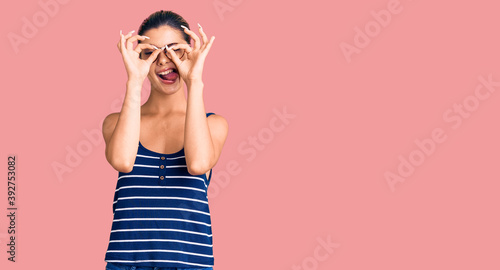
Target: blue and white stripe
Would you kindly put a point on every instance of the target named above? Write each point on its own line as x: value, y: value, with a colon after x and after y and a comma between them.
x: 161, y: 216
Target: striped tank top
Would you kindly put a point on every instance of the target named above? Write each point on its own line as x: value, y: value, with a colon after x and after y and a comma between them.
x: 161, y: 216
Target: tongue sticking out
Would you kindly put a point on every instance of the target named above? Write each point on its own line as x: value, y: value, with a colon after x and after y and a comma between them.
x: 170, y: 77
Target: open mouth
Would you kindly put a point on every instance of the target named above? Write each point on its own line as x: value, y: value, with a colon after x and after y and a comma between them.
x: 168, y: 76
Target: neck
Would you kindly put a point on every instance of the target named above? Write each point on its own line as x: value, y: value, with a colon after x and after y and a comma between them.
x: 165, y: 102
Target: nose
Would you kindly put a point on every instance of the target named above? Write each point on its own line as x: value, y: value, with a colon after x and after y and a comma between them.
x: 162, y: 57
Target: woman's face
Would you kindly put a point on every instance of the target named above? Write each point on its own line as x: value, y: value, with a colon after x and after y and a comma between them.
x: 163, y: 72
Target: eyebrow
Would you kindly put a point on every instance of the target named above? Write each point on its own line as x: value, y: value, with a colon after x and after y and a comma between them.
x: 167, y: 44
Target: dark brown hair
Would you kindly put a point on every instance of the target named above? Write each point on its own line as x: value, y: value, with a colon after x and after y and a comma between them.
x: 165, y: 17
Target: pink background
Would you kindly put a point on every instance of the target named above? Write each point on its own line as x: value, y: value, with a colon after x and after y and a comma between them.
x: 319, y: 176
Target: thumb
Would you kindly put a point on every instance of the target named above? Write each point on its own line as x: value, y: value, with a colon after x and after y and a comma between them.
x: 153, y: 56
x: 173, y: 56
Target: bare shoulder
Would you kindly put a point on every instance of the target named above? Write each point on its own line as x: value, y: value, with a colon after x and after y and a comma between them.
x: 218, y: 124
x: 218, y: 129
x: 108, y: 125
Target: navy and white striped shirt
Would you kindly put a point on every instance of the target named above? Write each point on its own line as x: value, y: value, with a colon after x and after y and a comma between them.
x: 161, y: 214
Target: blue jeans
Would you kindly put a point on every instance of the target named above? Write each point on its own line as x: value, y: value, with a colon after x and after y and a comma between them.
x: 114, y: 266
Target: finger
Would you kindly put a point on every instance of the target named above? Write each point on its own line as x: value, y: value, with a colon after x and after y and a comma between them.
x: 122, y: 42
x: 173, y: 56
x: 209, y: 45
x: 129, y: 34
x: 125, y: 37
x: 142, y: 46
x: 153, y: 56
x: 193, y: 36
x: 185, y: 47
x: 131, y: 40
x: 203, y: 35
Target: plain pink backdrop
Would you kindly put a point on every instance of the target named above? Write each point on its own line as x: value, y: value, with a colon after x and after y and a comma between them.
x: 284, y: 185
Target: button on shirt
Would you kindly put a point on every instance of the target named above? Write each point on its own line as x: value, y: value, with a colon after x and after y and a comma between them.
x: 161, y: 216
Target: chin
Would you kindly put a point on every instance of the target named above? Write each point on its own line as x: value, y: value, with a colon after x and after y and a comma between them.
x: 169, y: 88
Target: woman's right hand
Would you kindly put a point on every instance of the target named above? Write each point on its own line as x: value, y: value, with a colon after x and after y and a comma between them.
x: 137, y: 69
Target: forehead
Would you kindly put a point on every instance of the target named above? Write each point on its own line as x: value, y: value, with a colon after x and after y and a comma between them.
x: 163, y: 35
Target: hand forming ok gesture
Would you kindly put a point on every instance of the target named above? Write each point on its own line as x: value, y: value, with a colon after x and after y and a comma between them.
x: 190, y: 68
x: 136, y: 68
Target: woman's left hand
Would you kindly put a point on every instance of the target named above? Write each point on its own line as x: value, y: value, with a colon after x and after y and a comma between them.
x: 190, y: 66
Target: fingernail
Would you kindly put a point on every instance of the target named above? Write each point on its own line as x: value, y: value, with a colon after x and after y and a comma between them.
x: 199, y: 25
x: 120, y: 32
x: 184, y: 27
x: 146, y: 37
x: 131, y: 31
x: 155, y: 47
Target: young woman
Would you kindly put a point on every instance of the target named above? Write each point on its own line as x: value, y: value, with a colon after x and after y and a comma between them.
x: 164, y: 151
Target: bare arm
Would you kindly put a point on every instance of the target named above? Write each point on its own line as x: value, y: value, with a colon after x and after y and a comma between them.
x: 204, y: 136
x: 121, y: 130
